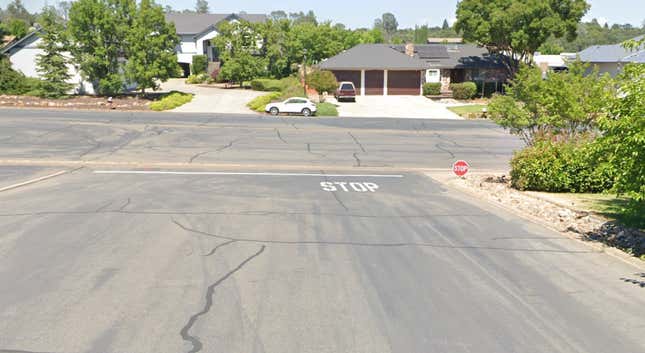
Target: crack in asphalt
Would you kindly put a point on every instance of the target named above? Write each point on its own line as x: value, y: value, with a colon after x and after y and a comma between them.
x: 383, y: 245
x: 210, y: 291
x: 438, y: 145
x: 219, y: 246
x: 314, y: 153
x: 197, y: 155
x: 126, y: 204
x: 335, y: 194
x: 92, y: 149
x: 280, y: 136
x: 357, y: 142
x: 358, y: 160
x: 98, y: 210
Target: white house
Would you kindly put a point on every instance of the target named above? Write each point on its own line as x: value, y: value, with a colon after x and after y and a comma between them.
x: 23, y: 53
x: 196, y: 31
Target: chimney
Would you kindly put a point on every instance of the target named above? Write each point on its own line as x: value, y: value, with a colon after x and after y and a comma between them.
x: 409, y: 49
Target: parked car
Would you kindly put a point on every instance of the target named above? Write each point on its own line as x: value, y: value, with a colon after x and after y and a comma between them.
x: 294, y: 105
x: 345, y: 91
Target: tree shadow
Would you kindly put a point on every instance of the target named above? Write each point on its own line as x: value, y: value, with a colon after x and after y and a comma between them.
x: 638, y: 282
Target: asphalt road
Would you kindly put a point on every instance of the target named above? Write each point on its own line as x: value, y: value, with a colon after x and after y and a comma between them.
x: 280, y: 260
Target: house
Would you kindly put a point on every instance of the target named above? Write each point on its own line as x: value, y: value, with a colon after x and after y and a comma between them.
x: 612, y: 58
x: 555, y: 63
x: 23, y: 53
x: 385, y: 69
x: 196, y: 31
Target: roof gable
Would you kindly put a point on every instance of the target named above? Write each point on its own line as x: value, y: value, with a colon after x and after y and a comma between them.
x: 374, y: 57
x: 195, y: 23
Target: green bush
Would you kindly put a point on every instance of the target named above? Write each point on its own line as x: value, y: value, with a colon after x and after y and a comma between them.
x: 466, y: 90
x: 171, y: 101
x: 200, y: 65
x: 326, y: 109
x: 259, y: 103
x: 195, y: 79
x: 267, y: 85
x: 560, y: 166
x: 322, y: 81
x: 432, y: 88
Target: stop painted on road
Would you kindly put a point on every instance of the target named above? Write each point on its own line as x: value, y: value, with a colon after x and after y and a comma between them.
x: 344, y: 186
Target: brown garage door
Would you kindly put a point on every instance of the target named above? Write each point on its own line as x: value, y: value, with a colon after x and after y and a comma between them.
x: 374, y: 82
x: 352, y: 76
x: 403, y: 83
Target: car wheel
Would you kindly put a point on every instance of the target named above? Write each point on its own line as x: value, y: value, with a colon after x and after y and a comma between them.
x: 274, y: 111
x: 306, y: 112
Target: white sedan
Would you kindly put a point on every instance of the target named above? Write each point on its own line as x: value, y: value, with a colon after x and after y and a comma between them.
x: 294, y: 105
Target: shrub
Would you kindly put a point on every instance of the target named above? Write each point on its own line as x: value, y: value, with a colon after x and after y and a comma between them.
x: 267, y: 85
x: 322, y: 81
x: 171, y: 101
x: 432, y: 88
x: 466, y: 90
x: 200, y: 65
x: 326, y: 109
x: 560, y: 166
x: 259, y: 103
x: 195, y: 79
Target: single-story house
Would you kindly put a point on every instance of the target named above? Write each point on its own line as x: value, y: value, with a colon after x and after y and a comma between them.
x: 385, y: 69
x: 23, y: 53
x: 196, y: 31
x: 612, y: 58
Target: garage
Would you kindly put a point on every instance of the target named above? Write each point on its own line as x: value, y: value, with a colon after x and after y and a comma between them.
x: 351, y: 76
x: 374, y: 82
x: 401, y: 83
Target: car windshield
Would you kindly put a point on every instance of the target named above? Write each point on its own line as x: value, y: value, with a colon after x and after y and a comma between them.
x: 347, y: 86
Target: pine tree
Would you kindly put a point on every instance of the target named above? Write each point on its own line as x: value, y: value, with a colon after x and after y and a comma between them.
x: 151, y: 43
x: 52, y: 64
x: 445, y: 25
x: 201, y: 6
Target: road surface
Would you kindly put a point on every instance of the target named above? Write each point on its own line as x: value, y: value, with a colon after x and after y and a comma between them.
x: 265, y: 246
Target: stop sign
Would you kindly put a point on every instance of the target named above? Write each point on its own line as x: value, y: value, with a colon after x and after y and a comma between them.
x: 460, y: 168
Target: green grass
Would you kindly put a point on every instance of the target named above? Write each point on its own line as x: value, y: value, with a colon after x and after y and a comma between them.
x: 171, y: 101
x: 259, y: 103
x: 289, y: 87
x: 471, y: 111
x: 326, y: 109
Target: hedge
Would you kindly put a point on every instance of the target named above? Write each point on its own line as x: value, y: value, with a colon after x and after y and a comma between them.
x: 200, y: 64
x: 466, y: 90
x: 195, y: 79
x: 171, y: 101
x: 266, y: 85
x: 326, y: 109
x: 259, y: 103
x: 432, y: 88
x: 560, y: 166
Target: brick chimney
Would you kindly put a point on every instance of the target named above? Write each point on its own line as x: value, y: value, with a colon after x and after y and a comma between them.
x: 409, y: 49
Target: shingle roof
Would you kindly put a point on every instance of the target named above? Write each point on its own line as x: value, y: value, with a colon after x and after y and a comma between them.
x: 608, y: 53
x: 22, y: 42
x: 373, y: 57
x: 455, y: 56
x: 193, y: 23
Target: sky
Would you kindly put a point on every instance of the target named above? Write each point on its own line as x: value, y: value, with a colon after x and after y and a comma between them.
x: 356, y: 14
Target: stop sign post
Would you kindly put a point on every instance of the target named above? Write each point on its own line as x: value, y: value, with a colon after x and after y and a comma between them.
x: 460, y: 168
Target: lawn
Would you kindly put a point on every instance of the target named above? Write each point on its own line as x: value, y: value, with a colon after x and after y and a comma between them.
x: 326, y: 109
x: 471, y: 111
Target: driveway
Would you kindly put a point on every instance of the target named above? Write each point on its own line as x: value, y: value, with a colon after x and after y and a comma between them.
x: 417, y: 107
x: 212, y: 99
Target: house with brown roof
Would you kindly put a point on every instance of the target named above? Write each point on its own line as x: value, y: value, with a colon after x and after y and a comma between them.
x: 387, y: 69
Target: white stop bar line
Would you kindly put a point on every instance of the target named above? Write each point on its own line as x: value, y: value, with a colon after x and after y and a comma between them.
x: 159, y: 172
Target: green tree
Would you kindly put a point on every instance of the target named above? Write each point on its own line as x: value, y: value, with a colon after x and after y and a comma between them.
x: 52, y: 63
x: 150, y: 47
x: 11, y: 81
x: 237, y: 43
x: 16, y: 10
x: 566, y: 103
x: 201, y: 6
x: 18, y: 27
x: 275, y: 39
x: 623, y: 138
x: 388, y: 23
x: 278, y: 15
x: 421, y: 34
x: 322, y: 81
x: 243, y: 67
x: 518, y: 28
x: 97, y: 30
x: 445, y: 25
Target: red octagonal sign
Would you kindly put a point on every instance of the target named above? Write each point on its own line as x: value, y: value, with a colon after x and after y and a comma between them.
x: 460, y: 168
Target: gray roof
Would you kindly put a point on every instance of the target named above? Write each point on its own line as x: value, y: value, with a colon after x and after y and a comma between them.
x: 373, y: 57
x: 610, y: 53
x: 455, y: 56
x: 194, y: 23
x: 31, y: 37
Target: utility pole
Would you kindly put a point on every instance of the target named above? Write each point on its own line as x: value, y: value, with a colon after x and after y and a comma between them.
x: 304, y: 73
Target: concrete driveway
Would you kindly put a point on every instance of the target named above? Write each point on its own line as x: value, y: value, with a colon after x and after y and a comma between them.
x: 212, y: 99
x: 417, y: 107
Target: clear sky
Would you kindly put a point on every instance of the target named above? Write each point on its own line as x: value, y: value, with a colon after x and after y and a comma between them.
x: 360, y: 13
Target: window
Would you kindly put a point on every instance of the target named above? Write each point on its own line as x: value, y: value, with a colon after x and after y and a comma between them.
x: 347, y: 86
x: 432, y: 76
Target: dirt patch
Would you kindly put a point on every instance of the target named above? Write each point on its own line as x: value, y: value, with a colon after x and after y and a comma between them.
x: 76, y: 102
x: 583, y: 224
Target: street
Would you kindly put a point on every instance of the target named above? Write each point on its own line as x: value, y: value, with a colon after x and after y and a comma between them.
x: 205, y: 233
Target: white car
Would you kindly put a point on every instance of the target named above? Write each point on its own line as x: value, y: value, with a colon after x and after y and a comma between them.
x: 295, y: 105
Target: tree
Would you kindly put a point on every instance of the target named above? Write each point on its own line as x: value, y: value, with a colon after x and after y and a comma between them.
x: 322, y: 81
x: 237, y: 43
x: 242, y: 67
x: 275, y: 39
x: 421, y: 34
x: 445, y: 24
x: 63, y: 9
x: 278, y: 15
x: 388, y: 23
x: 52, y: 63
x: 151, y: 47
x: 18, y: 27
x: 16, y: 10
x: 201, y: 6
x: 518, y: 28
x: 98, y: 29
x: 564, y: 104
